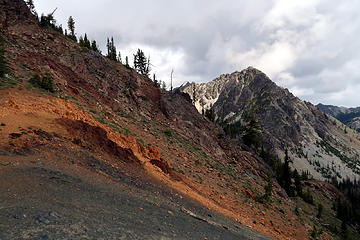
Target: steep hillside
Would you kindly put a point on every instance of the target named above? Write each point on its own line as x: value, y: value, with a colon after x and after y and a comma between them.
x: 316, y: 142
x: 109, y: 155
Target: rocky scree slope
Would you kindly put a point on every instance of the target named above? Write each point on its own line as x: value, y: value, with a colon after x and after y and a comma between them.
x: 105, y: 118
x: 316, y: 141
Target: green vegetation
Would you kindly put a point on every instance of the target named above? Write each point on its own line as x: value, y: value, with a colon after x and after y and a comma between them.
x: 268, y: 190
x: 315, y: 233
x: 320, y: 210
x: 210, y: 114
x: 46, y: 82
x: 329, y: 149
x: 142, y: 63
x: 4, y: 69
x: 252, y: 131
x: 111, y: 49
x: 71, y: 27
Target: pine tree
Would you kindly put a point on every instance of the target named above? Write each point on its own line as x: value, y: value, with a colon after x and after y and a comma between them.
x: 141, y: 63
x: 268, y: 188
x: 297, y: 180
x: 320, y: 210
x: 286, y: 174
x: 156, y: 82
x: 252, y: 131
x: 71, y: 26
x: 127, y: 62
x: 94, y: 46
x: 87, y: 43
x: 4, y: 69
x: 81, y: 42
x: 119, y: 58
x: 163, y: 85
x: 111, y: 49
x: 31, y: 6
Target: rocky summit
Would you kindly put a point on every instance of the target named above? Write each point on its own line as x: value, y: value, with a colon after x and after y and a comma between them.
x: 317, y: 142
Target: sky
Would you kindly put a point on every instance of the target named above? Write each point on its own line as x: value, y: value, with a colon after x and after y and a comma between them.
x: 311, y: 47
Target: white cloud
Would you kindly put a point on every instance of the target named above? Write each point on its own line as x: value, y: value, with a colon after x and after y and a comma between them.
x: 308, y: 46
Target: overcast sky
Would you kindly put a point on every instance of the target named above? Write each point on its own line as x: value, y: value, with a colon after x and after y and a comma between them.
x: 311, y: 47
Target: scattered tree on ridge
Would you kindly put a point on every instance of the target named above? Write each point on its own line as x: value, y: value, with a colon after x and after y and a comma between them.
x: 141, y: 63
x: 31, y: 6
x: 94, y: 46
x: 111, y: 49
x: 71, y: 26
x: 3, y: 64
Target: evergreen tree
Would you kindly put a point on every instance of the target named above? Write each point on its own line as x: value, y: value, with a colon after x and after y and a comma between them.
x: 163, y: 85
x: 87, y: 43
x: 31, y: 6
x: 141, y: 63
x: 94, y: 46
x: 268, y: 188
x: 286, y: 174
x: 3, y: 64
x: 127, y: 62
x: 71, y: 26
x: 210, y: 114
x: 297, y: 180
x: 320, y: 210
x: 111, y: 49
x: 47, y: 21
x: 252, y: 136
x: 119, y: 58
x: 81, y: 42
x: 156, y: 82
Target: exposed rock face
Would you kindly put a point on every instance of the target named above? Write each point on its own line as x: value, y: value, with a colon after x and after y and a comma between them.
x: 311, y: 136
x: 14, y: 11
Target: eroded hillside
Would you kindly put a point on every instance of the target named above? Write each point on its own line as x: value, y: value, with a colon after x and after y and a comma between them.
x: 105, y: 124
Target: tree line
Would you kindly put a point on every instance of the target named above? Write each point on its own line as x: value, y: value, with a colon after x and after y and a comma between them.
x: 141, y: 63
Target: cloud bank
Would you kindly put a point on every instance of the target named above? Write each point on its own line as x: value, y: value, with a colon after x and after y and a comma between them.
x: 311, y: 47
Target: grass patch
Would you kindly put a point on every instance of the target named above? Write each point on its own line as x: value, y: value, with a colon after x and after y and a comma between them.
x: 9, y: 82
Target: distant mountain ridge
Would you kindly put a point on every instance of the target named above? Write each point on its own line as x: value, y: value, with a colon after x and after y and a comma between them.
x: 348, y: 116
x: 286, y: 121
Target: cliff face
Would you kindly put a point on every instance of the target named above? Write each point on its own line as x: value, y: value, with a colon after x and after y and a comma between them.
x: 286, y: 122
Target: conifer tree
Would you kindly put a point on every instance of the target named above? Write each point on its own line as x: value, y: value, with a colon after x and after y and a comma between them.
x: 141, y: 63
x: 286, y: 174
x: 163, y: 85
x: 31, y: 6
x: 94, y: 46
x: 111, y: 49
x: 81, y: 41
x: 252, y: 136
x: 127, y: 62
x: 87, y: 43
x: 156, y: 82
x: 3, y: 64
x: 119, y: 57
x: 71, y: 26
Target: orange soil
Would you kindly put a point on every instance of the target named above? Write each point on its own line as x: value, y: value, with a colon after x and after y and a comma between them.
x: 27, y: 109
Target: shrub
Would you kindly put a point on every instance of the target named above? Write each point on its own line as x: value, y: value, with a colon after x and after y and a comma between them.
x: 45, y: 82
